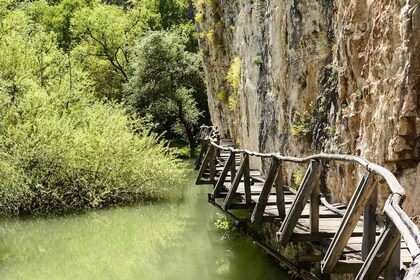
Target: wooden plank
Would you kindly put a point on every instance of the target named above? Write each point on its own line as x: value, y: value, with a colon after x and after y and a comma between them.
x: 392, y: 269
x: 314, y: 208
x: 212, y: 165
x: 222, y: 177
x: 348, y: 224
x: 258, y: 212
x: 198, y: 160
x: 369, y: 224
x: 348, y: 266
x: 380, y: 254
x: 232, y: 192
x: 278, y: 185
x: 204, y: 164
x: 233, y: 165
x: 247, y: 180
x: 309, y: 180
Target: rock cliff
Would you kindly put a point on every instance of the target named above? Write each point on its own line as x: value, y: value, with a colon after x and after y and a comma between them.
x: 302, y: 76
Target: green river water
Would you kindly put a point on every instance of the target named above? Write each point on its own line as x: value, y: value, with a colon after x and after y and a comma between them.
x: 170, y: 241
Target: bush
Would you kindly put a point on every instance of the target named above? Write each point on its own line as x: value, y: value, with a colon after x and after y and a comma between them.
x: 86, y: 156
x: 60, y: 149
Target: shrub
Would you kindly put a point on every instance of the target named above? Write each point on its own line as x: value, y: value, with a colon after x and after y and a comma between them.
x: 233, y: 76
x: 199, y: 17
x: 222, y: 96
x: 89, y: 155
x: 257, y: 60
x: 211, y: 36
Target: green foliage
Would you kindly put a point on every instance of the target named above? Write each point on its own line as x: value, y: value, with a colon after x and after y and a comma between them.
x: 162, y: 14
x: 335, y: 69
x: 211, y: 36
x: 224, y: 225
x: 199, y: 17
x: 222, y: 96
x: 232, y: 103
x: 302, y: 124
x: 257, y: 60
x: 61, y: 149
x: 166, y: 82
x: 233, y: 76
x: 105, y: 48
x: 298, y: 176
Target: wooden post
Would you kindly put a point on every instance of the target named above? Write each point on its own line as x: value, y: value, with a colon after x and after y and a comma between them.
x: 369, y: 224
x: 349, y: 222
x: 314, y: 208
x: 235, y: 183
x: 233, y: 166
x: 278, y: 184
x: 213, y: 165
x: 392, y: 269
x: 247, y: 182
x: 222, y: 178
x: 258, y: 212
x: 302, y: 197
x: 380, y: 254
x: 205, y: 163
x: 200, y: 155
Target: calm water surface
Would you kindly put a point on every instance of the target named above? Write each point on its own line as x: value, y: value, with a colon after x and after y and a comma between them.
x: 162, y: 241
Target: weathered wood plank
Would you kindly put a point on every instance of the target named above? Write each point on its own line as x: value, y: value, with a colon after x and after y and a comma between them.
x: 205, y: 163
x: 369, y: 224
x: 198, y: 160
x: 232, y: 192
x: 314, y: 208
x: 309, y: 180
x: 247, y: 181
x: 278, y: 184
x: 219, y: 185
x: 349, y: 222
x: 392, y: 269
x: 212, y: 165
x: 381, y: 252
x: 258, y: 212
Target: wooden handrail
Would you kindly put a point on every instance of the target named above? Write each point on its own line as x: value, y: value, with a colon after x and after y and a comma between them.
x: 399, y: 219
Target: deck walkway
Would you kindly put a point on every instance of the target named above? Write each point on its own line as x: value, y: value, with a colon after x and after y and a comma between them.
x: 346, y: 235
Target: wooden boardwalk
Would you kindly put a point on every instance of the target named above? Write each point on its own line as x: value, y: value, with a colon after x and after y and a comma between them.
x: 352, y: 239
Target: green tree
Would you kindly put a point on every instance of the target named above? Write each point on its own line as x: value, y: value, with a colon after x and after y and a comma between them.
x: 107, y: 34
x: 165, y: 81
x: 60, y: 148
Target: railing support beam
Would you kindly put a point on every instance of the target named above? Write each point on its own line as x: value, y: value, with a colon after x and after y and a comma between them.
x: 235, y: 183
x: 258, y: 212
x: 349, y: 222
x: 380, y: 254
x: 302, y: 197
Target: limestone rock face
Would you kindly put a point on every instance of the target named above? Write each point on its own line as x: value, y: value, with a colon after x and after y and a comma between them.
x: 302, y: 76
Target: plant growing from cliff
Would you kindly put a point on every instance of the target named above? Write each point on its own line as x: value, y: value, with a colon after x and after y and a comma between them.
x: 298, y: 176
x: 232, y: 103
x: 211, y: 36
x: 257, y: 60
x: 335, y: 69
x: 222, y: 96
x: 199, y: 17
x: 233, y: 76
x: 302, y: 124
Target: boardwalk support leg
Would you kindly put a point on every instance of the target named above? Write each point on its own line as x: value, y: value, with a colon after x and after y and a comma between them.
x: 349, y: 222
x: 302, y: 197
x: 258, y: 212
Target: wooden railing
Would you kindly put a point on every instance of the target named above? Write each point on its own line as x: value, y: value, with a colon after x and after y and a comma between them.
x: 377, y: 253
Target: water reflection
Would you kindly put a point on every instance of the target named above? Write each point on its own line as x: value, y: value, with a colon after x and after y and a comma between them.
x: 164, y: 241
